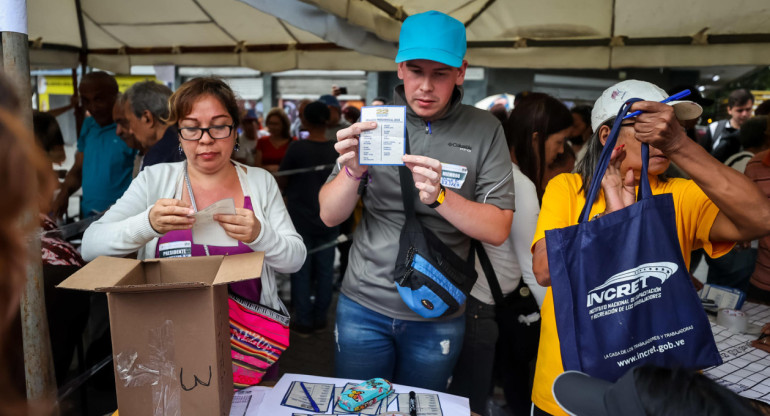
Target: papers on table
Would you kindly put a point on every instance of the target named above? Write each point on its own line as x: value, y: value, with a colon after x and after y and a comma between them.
x: 300, y: 398
x: 386, y: 144
x: 337, y: 392
x: 207, y: 231
x: 745, y: 370
x: 430, y: 403
x: 246, y: 402
x: 427, y: 404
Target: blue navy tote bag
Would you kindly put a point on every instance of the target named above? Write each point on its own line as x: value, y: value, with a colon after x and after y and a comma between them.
x: 621, y: 292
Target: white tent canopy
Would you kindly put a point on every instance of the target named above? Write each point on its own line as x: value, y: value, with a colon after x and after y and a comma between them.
x: 275, y: 35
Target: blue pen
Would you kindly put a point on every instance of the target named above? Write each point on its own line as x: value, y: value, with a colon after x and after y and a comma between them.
x: 676, y: 96
x: 309, y: 397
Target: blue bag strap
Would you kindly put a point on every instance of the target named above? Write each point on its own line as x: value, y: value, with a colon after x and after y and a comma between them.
x: 604, y: 161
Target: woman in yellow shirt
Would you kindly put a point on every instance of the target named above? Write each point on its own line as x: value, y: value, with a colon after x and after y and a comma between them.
x: 710, y: 208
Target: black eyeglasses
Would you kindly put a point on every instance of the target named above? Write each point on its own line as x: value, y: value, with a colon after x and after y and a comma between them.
x: 196, y: 133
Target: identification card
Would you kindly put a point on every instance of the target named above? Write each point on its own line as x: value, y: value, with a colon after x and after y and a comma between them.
x: 385, y: 144
x: 453, y: 176
x: 175, y: 249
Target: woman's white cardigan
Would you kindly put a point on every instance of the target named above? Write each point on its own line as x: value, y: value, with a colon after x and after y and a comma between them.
x: 125, y: 227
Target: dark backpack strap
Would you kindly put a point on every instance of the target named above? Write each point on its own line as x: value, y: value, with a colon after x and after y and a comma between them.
x: 489, y: 271
x: 738, y: 159
x: 407, y: 184
x: 720, y: 128
x: 407, y: 195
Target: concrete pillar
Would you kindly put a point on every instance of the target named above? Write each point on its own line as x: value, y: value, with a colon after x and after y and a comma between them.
x: 372, y: 86
x: 268, y: 92
x: 38, y: 361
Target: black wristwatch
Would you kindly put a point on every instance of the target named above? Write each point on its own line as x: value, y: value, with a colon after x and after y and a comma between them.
x: 440, y: 198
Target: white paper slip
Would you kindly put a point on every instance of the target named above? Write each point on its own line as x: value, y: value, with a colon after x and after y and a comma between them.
x: 240, y: 404
x: 207, y: 231
x: 392, y: 398
x: 427, y: 404
x: 386, y: 144
x: 246, y: 402
x: 297, y: 398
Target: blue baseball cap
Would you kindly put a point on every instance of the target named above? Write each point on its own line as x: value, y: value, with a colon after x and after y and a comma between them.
x: 434, y: 36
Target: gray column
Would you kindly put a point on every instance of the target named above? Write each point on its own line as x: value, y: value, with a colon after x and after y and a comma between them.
x: 268, y: 92
x: 372, y: 86
x: 38, y: 361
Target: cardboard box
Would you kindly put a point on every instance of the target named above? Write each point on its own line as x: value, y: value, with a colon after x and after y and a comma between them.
x: 170, y: 329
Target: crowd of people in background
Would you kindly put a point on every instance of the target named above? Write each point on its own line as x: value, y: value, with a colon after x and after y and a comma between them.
x: 297, y: 185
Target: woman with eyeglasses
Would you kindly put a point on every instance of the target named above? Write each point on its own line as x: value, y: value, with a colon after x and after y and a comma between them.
x: 154, y: 216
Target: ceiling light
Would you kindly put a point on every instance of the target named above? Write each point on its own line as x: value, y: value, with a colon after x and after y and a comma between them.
x: 701, y: 88
x: 715, y: 78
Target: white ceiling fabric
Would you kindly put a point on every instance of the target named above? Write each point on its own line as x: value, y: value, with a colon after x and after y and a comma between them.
x: 273, y: 35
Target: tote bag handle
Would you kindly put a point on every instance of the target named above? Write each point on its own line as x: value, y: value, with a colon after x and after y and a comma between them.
x: 604, y: 161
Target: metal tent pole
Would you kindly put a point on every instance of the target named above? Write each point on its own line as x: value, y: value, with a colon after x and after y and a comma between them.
x: 38, y: 361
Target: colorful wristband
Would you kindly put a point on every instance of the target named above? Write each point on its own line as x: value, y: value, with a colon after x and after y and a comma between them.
x: 358, y: 178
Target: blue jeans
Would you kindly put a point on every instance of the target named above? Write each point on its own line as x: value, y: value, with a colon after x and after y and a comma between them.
x: 413, y: 353
x: 316, y: 275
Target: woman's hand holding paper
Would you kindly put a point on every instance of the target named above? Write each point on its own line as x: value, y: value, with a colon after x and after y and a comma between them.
x: 171, y: 214
x: 243, y: 226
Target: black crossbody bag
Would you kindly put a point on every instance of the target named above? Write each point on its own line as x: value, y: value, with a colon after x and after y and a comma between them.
x: 431, y: 279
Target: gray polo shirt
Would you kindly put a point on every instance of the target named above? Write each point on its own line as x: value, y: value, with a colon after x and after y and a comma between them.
x: 465, y: 137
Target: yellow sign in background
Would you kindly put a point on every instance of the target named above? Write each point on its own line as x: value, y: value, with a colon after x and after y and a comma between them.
x: 62, y: 85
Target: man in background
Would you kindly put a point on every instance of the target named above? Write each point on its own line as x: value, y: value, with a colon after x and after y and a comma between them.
x: 103, y: 162
x: 722, y: 136
x: 146, y: 105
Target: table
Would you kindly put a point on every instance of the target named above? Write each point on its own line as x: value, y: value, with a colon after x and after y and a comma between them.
x: 746, y: 370
x: 265, y: 401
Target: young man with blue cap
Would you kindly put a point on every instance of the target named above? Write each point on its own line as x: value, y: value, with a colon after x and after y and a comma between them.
x: 377, y: 334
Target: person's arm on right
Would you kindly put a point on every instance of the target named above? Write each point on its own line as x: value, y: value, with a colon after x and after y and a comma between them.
x: 72, y: 183
x: 338, y: 197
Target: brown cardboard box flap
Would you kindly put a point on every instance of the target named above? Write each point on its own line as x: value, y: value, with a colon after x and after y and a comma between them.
x: 240, y: 267
x: 103, y: 272
x: 152, y: 287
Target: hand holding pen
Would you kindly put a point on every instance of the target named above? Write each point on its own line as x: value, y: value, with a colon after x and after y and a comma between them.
x: 657, y: 124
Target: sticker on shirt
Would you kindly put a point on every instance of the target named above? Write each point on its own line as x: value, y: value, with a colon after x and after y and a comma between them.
x: 175, y: 249
x: 453, y: 176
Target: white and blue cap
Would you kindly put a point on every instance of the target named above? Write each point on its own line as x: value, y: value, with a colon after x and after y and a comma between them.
x: 434, y: 36
x: 608, y: 105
